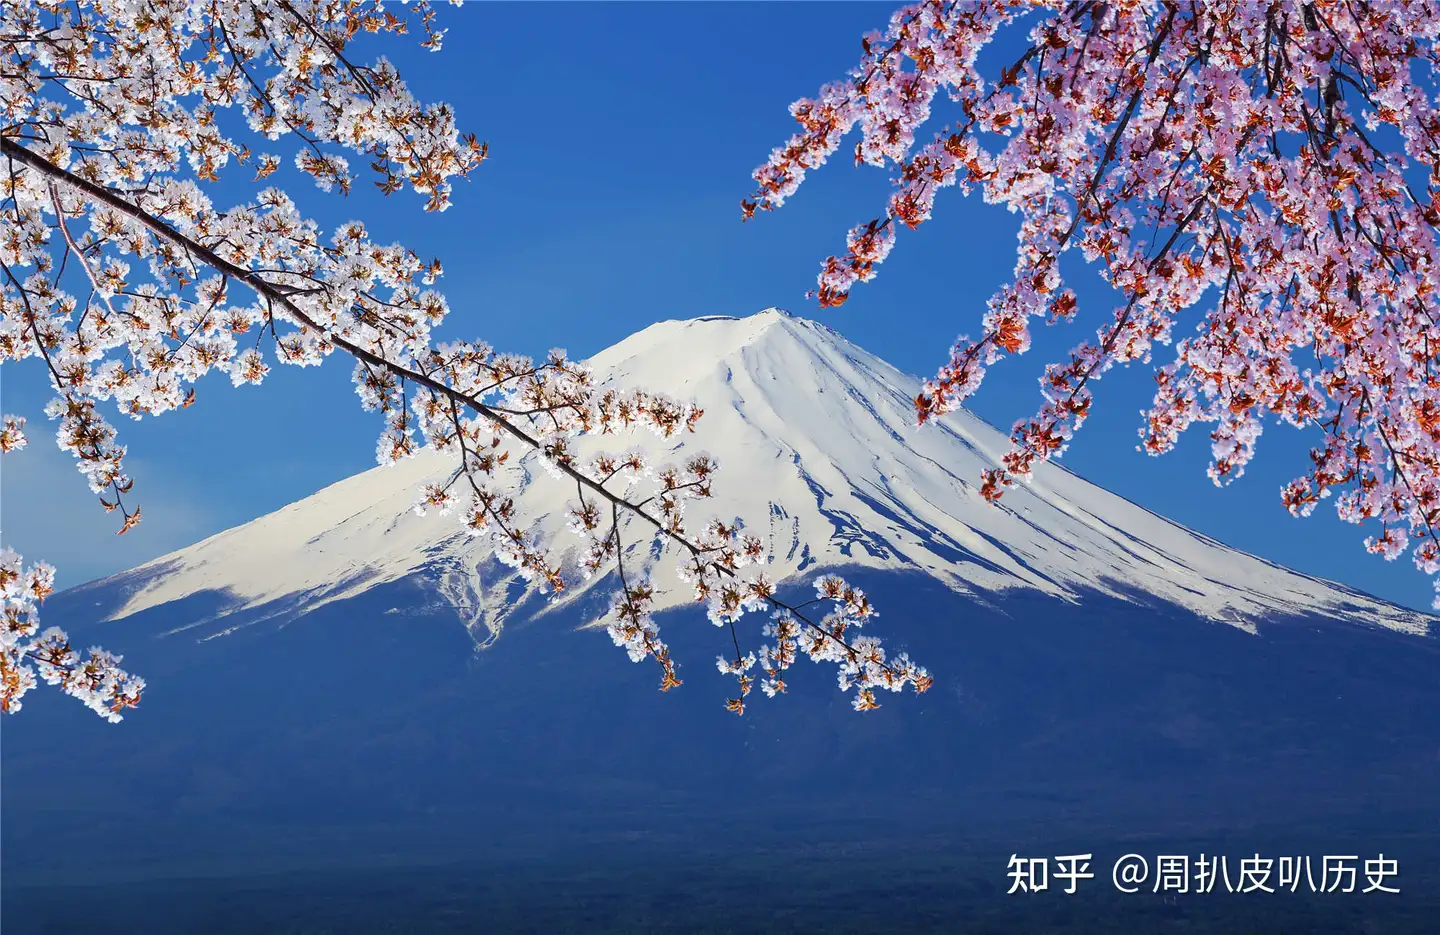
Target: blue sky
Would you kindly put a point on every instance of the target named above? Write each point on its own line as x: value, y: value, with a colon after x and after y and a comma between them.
x: 622, y: 138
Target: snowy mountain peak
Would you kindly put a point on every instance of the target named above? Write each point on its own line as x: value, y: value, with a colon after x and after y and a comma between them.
x: 820, y: 453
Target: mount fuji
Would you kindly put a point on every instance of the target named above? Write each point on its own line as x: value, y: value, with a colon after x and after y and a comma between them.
x: 344, y: 668
x: 817, y: 442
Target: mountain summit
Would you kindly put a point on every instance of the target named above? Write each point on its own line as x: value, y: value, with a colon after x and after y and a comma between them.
x: 818, y: 445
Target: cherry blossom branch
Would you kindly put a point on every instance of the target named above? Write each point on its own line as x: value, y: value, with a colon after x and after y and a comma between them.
x: 1329, y: 253
x: 284, y: 300
x: 112, y: 120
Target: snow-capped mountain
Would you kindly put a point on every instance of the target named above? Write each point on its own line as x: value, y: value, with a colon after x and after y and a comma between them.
x: 819, y: 451
x: 312, y: 698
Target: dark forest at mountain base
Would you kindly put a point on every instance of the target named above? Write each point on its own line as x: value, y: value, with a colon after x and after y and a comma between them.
x: 1088, y: 722
x: 845, y: 890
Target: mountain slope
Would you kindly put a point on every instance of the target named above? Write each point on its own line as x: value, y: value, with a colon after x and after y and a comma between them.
x: 819, y: 451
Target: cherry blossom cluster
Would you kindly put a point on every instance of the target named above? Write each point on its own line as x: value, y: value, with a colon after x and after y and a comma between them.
x: 862, y: 662
x: 95, y: 678
x: 124, y: 279
x: 725, y: 567
x: 1270, y: 166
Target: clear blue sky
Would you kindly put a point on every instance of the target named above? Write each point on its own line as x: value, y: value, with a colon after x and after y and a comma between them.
x: 622, y: 138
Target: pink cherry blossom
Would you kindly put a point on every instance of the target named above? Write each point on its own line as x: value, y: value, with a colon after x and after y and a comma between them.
x: 1257, y: 181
